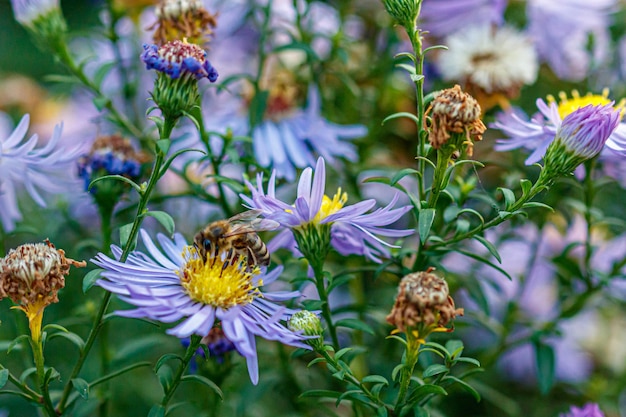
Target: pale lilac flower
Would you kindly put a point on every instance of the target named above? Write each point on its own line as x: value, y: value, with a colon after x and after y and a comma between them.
x: 291, y: 139
x: 35, y: 169
x: 443, y: 18
x: 588, y: 410
x: 173, y: 284
x: 352, y: 229
x: 561, y: 30
x: 27, y: 11
x: 537, y: 133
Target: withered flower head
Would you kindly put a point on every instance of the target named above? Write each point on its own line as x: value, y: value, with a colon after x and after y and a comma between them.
x: 179, y: 19
x: 455, y: 115
x: 423, y: 299
x: 34, y: 273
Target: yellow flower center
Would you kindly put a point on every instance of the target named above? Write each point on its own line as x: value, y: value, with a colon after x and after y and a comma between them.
x: 568, y: 105
x: 331, y: 206
x: 219, y: 282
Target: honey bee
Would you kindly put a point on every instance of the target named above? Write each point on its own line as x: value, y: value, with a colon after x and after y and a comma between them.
x: 236, y: 236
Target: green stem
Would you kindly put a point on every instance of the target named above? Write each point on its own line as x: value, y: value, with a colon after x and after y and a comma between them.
x: 443, y: 158
x: 318, y: 270
x: 37, y: 347
x: 194, y: 343
x: 412, y: 353
x: 165, y: 132
x: 589, y: 196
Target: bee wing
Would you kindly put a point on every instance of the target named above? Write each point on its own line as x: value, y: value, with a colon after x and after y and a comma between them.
x: 248, y: 221
x: 246, y: 216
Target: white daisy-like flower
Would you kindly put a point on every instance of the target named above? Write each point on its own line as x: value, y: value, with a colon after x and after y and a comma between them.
x: 497, y: 60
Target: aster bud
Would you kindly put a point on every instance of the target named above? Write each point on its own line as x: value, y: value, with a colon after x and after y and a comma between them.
x: 455, y: 121
x: 423, y: 301
x: 580, y: 137
x: 43, y: 19
x: 180, y: 65
x: 404, y: 11
x: 310, y: 325
x: 183, y: 19
x: 110, y: 155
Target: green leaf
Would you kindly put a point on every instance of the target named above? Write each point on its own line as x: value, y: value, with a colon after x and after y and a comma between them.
x: 101, y: 102
x: 533, y: 204
x: 205, y: 381
x: 320, y: 393
x: 257, y: 107
x: 102, y: 72
x: 355, y: 324
x: 545, y: 362
x: 15, y: 342
x: 125, y: 235
x: 171, y: 159
x: 166, y: 358
x: 121, y: 178
x: 485, y: 261
x: 340, y: 353
x: 401, y: 174
x: 526, y: 186
x: 54, y: 326
x: 90, y: 278
x: 435, y: 369
x: 72, y: 337
x: 381, y: 412
x: 376, y: 379
x: 4, y: 377
x: 400, y: 114
x: 490, y: 247
x: 469, y: 360
x: 137, y: 347
x: 157, y: 411
x: 509, y: 197
x: 164, y: 145
x: 454, y: 347
x: 407, y: 67
x: 165, y: 376
x: 81, y: 386
x: 467, y: 387
x: 426, y: 218
x: 423, y: 390
x: 165, y: 219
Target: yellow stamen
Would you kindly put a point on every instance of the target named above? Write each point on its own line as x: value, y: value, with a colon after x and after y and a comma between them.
x: 568, y: 105
x: 221, y: 281
x: 331, y: 206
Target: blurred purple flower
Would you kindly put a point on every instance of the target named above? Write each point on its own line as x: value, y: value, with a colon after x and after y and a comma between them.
x: 36, y: 169
x: 173, y: 284
x: 588, y: 410
x: 352, y: 229
x: 561, y: 30
x: 442, y: 18
x: 293, y: 138
x: 26, y: 11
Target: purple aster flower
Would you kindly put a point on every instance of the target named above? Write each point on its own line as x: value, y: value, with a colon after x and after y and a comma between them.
x: 538, y: 133
x: 588, y: 410
x: 36, y: 169
x: 289, y: 137
x: 569, y: 56
x: 443, y: 18
x: 352, y: 229
x: 174, y: 284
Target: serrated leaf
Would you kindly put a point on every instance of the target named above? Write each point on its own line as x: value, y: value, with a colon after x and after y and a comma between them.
x: 376, y: 379
x: 490, y: 247
x: 545, y: 363
x: 204, y: 381
x: 435, y: 369
x: 81, y: 386
x: 4, y: 377
x: 157, y: 411
x: 426, y: 218
x: 165, y: 219
x: 355, y: 324
x: 90, y: 278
